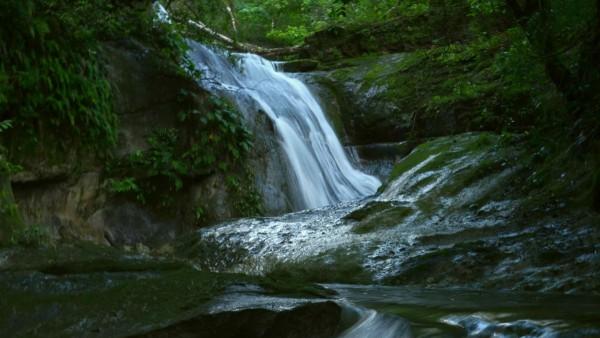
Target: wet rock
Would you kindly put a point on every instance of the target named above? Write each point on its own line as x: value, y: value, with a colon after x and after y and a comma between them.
x: 380, y: 151
x: 386, y: 218
x: 302, y: 65
x: 369, y: 209
x: 83, y: 290
x: 315, y: 320
x: 456, y: 212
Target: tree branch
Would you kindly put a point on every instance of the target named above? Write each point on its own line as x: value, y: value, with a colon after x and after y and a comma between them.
x: 244, y: 47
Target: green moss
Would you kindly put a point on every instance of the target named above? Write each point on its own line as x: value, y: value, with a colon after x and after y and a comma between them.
x: 10, y: 218
x: 457, y: 172
x: 443, y: 150
x: 478, y: 84
x: 83, y: 289
x: 387, y: 218
x: 102, y: 286
x: 123, y: 306
x: 418, y: 156
x: 368, y: 209
x: 559, y: 178
x: 31, y: 235
x: 339, y: 265
x: 204, y: 143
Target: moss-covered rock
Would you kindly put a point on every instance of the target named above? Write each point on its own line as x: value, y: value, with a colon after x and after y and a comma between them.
x: 386, y: 218
x: 82, y: 290
x: 477, y: 222
x: 10, y: 218
x: 318, y: 320
x: 436, y: 91
x: 458, y: 211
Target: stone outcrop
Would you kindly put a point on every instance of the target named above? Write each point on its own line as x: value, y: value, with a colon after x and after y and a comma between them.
x: 71, y: 199
x: 83, y: 290
x: 324, y: 318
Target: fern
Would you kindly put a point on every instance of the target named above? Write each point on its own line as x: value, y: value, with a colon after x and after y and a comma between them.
x: 5, y: 125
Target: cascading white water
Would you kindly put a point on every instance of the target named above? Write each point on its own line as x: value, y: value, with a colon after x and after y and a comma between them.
x: 321, y: 169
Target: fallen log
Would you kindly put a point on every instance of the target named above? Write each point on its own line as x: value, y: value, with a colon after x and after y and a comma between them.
x: 245, y: 47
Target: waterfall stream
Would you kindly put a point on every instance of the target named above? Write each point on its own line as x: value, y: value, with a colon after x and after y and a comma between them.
x: 322, y: 172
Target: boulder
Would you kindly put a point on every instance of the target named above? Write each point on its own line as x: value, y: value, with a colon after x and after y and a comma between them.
x: 83, y: 290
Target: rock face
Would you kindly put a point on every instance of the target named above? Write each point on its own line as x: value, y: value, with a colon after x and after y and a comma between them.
x: 268, y: 163
x: 71, y: 199
x: 63, y: 204
x: 367, y: 113
x: 476, y: 220
x: 323, y: 317
x: 459, y: 211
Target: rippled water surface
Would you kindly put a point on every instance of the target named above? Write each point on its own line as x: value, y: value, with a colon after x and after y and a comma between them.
x: 460, y: 313
x: 397, y: 312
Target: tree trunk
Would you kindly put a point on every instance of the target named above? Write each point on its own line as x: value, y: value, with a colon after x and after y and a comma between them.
x: 229, y: 8
x: 589, y: 71
x: 560, y: 75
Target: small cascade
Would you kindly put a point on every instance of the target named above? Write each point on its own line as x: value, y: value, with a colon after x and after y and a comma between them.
x: 374, y: 324
x: 322, y: 173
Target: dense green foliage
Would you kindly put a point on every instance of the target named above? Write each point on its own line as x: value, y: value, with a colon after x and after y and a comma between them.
x: 203, y: 143
x: 53, y: 85
x: 288, y: 22
x: 53, y: 80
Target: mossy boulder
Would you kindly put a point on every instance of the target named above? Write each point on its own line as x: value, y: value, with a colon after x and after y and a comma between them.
x: 476, y: 221
x: 82, y: 290
x: 386, y: 218
x: 437, y: 91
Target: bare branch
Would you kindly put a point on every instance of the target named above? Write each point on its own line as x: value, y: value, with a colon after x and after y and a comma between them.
x: 245, y: 47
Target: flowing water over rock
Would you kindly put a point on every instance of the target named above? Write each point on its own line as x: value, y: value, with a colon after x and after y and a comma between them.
x: 322, y: 173
x: 376, y: 234
x: 444, y: 220
x: 414, y: 312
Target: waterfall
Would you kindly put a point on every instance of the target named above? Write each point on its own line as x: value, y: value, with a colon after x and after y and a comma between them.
x: 322, y: 173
